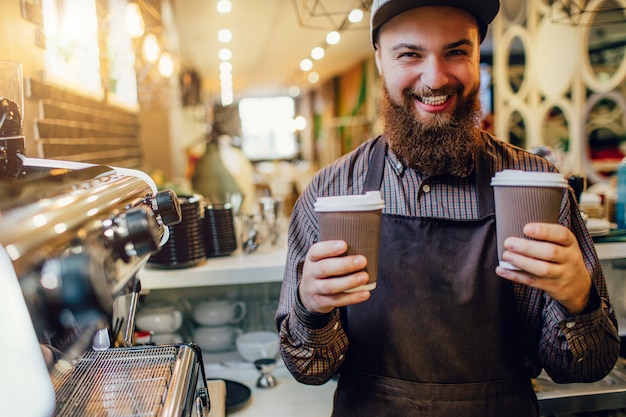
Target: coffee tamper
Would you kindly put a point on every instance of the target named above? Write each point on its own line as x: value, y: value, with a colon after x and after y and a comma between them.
x: 266, y: 366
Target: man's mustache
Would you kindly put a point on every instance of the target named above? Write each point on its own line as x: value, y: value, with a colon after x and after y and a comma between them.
x: 424, y: 91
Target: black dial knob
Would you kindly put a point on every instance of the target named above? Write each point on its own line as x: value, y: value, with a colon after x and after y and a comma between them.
x: 168, y: 207
x: 134, y: 232
x: 139, y: 233
x: 69, y: 283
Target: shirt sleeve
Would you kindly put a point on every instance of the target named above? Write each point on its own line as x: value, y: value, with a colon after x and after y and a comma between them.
x: 312, y: 345
x: 576, y: 348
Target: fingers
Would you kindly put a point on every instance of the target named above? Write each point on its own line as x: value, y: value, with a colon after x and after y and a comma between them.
x: 322, y: 299
x: 551, y: 243
x: 538, y: 258
x: 552, y: 262
x: 327, y: 275
x: 550, y: 232
x: 326, y: 249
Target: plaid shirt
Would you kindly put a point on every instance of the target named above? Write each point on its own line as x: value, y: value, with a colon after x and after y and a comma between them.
x: 570, y: 348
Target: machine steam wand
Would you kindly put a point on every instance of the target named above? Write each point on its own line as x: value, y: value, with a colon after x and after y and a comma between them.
x: 135, y: 289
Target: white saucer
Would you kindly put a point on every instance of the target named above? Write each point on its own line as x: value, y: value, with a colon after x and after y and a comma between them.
x: 598, y: 227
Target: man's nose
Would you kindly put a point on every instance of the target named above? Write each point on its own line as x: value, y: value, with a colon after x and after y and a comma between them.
x: 434, y: 73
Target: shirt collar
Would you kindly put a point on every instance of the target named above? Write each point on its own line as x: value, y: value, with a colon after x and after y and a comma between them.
x: 398, y: 166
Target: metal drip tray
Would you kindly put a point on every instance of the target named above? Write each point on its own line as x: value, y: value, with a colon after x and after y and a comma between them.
x: 606, y: 394
x: 146, y: 381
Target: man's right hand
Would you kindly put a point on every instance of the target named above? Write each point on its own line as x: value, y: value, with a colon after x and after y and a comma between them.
x: 327, y: 274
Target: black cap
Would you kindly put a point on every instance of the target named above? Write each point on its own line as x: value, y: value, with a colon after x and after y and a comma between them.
x: 383, y: 10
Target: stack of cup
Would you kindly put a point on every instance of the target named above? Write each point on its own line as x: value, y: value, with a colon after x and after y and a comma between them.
x: 217, y: 320
x: 356, y: 220
x: 162, y: 321
x: 523, y: 197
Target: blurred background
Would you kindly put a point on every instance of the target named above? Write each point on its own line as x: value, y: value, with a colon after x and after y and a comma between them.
x: 289, y: 85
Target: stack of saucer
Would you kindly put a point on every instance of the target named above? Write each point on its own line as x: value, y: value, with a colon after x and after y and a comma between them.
x: 218, y: 230
x: 185, y: 246
x: 598, y: 227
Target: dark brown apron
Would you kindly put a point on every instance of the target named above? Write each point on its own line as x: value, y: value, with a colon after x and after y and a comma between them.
x: 439, y: 335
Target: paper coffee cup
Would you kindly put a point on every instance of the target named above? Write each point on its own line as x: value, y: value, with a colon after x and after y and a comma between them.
x: 355, y: 219
x: 523, y: 197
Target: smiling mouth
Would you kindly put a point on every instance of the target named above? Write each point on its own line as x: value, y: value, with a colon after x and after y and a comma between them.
x: 433, y: 101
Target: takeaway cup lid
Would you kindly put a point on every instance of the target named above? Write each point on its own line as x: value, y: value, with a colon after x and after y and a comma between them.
x: 371, y: 200
x: 514, y: 177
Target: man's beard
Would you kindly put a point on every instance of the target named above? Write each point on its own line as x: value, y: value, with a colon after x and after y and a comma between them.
x: 441, y: 143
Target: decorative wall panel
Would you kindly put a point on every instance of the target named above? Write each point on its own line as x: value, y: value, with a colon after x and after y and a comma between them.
x: 559, y: 82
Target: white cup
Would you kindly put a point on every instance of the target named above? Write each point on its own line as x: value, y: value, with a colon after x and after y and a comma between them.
x: 219, y: 312
x: 216, y: 339
x: 258, y: 345
x: 523, y: 197
x: 356, y: 220
x: 159, y: 319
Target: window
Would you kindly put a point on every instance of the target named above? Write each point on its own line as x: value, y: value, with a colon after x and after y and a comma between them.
x: 267, y: 126
x: 121, y: 57
x: 72, y: 55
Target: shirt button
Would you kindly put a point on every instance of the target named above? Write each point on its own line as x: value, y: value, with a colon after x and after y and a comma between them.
x: 340, y: 357
x: 570, y: 324
x: 426, y: 188
x: 336, y: 326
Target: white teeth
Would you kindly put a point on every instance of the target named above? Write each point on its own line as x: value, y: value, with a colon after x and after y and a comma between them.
x: 434, y: 101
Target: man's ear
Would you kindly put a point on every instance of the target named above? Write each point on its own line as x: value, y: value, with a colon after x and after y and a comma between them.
x: 378, y: 60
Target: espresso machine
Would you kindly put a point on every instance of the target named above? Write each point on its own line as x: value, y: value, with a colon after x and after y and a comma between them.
x: 72, y: 238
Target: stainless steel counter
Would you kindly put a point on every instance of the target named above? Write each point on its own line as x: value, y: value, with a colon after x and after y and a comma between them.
x: 291, y: 398
x: 607, y: 394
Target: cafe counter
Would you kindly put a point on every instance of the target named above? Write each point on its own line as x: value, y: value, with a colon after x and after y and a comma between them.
x: 290, y: 398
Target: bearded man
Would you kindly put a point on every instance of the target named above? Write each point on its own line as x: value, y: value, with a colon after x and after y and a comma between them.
x: 446, y: 332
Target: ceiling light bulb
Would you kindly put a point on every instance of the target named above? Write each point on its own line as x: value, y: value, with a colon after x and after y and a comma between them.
x: 225, y: 54
x: 227, y: 96
x: 317, y: 52
x: 306, y: 64
x: 151, y: 49
x: 225, y: 35
x: 333, y: 37
x: 224, y: 6
x: 299, y: 123
x: 313, y: 77
x: 133, y: 21
x: 227, y: 99
x: 355, y: 16
x: 166, y: 65
x: 226, y: 66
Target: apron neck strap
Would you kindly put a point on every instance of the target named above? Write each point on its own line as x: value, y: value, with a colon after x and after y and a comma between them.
x: 374, y: 176
x: 482, y: 173
x: 484, y: 191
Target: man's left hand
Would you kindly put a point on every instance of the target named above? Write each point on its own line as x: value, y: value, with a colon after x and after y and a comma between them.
x: 552, y: 262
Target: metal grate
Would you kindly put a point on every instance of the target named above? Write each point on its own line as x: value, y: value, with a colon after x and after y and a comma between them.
x: 125, y: 382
